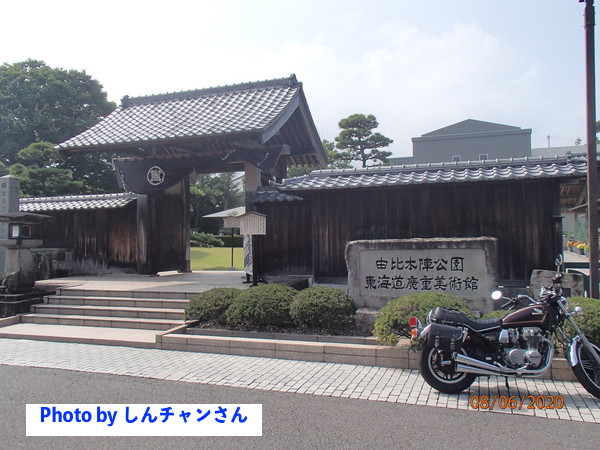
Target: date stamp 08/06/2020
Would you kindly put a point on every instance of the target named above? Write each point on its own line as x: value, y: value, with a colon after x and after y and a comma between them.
x: 516, y: 402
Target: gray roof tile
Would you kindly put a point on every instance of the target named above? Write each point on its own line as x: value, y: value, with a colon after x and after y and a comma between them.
x: 270, y: 195
x: 76, y: 202
x: 490, y: 170
x: 243, y: 108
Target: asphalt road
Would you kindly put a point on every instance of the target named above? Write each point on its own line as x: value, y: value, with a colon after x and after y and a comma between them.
x: 292, y: 421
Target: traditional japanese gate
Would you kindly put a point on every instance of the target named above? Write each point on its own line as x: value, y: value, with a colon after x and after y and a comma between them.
x: 260, y: 128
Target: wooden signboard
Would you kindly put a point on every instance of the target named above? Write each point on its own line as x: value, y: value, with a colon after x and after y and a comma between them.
x: 253, y: 223
x: 231, y: 222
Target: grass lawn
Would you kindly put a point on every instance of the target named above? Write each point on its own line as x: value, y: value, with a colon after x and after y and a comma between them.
x: 217, y: 258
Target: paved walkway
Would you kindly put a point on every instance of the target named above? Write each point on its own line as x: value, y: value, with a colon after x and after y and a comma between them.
x: 301, y: 377
x: 165, y: 282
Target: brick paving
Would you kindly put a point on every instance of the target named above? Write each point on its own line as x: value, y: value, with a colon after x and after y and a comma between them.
x: 300, y: 377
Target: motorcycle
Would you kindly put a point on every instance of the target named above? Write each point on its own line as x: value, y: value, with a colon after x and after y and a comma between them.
x: 456, y: 349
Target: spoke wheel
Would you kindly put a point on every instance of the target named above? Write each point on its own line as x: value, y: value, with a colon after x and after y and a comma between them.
x: 440, y: 376
x: 588, y: 370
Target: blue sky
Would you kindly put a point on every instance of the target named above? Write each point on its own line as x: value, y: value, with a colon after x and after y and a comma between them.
x: 417, y: 65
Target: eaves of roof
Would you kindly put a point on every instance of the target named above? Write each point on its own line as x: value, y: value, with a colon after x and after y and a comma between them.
x: 208, y: 119
x: 268, y: 194
x: 437, y: 173
x: 76, y: 202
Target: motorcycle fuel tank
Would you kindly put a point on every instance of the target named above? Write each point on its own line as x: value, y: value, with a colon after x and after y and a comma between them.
x: 532, y: 316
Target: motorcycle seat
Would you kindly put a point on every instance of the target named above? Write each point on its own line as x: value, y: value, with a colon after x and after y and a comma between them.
x: 453, y: 317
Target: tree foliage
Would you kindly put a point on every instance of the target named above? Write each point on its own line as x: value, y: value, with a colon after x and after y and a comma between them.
x: 210, y: 193
x: 41, y: 106
x: 336, y: 160
x: 40, y: 173
x: 40, y: 103
x: 358, y: 142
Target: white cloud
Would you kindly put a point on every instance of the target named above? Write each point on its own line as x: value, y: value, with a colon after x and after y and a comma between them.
x: 415, y: 83
x: 414, y: 76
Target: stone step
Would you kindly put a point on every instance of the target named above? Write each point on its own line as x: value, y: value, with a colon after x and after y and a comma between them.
x: 127, y: 337
x: 83, y: 300
x: 101, y: 321
x: 73, y: 291
x: 109, y: 311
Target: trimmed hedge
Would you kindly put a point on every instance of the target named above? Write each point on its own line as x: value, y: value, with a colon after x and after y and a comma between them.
x: 392, y: 320
x: 266, y: 305
x: 210, y: 306
x: 204, y: 240
x: 323, y: 310
x: 589, y: 322
x: 238, y: 241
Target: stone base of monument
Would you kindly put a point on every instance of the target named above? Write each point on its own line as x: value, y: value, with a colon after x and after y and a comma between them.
x: 13, y: 304
x: 364, y: 321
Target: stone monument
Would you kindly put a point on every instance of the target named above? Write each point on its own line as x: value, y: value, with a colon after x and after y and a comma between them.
x: 382, y: 270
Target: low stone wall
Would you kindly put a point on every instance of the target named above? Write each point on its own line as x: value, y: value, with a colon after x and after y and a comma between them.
x: 336, y: 349
x: 11, y: 305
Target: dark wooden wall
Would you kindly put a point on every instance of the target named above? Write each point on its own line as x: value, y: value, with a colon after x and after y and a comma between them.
x: 286, y: 248
x: 163, y: 230
x: 520, y: 214
x: 104, y: 236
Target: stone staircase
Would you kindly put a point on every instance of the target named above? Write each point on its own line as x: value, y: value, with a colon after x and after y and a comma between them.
x: 106, y: 317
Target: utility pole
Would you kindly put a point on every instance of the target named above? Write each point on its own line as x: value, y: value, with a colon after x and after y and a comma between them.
x: 592, y: 166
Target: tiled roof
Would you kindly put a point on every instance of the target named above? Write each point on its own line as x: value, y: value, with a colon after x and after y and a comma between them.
x: 449, y: 172
x: 242, y: 108
x: 77, y: 202
x: 233, y: 212
x: 269, y: 195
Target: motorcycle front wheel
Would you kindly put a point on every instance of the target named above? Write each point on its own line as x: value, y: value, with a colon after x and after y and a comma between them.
x: 442, y: 377
x: 587, y: 370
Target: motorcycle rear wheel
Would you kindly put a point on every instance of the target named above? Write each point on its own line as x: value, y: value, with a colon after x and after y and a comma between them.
x: 442, y: 378
x: 587, y: 370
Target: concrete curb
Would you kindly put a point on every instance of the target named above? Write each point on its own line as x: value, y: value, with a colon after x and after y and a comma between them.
x: 296, y: 348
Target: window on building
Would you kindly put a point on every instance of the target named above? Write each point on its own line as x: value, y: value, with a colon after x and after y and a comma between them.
x: 456, y: 158
x: 483, y: 156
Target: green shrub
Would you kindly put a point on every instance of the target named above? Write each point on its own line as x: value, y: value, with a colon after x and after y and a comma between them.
x: 266, y: 305
x: 238, y: 241
x: 323, y: 310
x: 204, y: 240
x: 210, y: 306
x: 589, y: 322
x: 392, y: 320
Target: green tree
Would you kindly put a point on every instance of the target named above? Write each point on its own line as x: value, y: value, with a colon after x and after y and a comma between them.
x: 40, y: 173
x: 336, y: 160
x: 358, y: 142
x: 40, y: 103
x: 211, y: 193
x: 94, y: 170
x: 39, y: 106
x: 39, y: 154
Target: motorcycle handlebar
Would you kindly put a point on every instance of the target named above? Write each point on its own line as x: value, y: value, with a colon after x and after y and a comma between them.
x: 517, y: 299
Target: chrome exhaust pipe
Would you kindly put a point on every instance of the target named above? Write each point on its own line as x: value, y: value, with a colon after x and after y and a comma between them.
x: 472, y: 365
x: 475, y: 370
x: 472, y: 362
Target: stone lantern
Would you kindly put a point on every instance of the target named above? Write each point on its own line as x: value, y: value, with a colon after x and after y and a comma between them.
x: 24, y: 231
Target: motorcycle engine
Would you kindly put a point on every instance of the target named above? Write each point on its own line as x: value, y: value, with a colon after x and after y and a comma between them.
x: 521, y: 349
